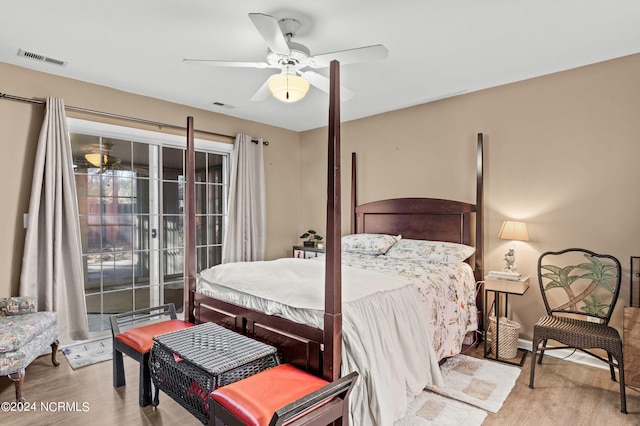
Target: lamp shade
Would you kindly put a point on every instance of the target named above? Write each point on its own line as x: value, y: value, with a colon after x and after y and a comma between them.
x: 95, y: 159
x: 512, y: 230
x: 288, y: 87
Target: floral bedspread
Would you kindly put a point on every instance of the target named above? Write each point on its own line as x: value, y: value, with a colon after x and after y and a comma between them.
x: 448, y: 291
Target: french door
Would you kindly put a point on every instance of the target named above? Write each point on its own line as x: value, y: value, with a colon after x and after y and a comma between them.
x: 130, y: 187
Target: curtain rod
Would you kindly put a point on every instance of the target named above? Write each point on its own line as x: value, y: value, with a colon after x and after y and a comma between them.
x: 121, y: 117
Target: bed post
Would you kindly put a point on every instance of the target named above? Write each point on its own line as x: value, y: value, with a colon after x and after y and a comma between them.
x: 189, y: 227
x: 354, y: 198
x: 332, y: 339
x: 479, y: 263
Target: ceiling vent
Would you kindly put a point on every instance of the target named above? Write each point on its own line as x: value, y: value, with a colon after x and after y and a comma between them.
x: 223, y: 105
x: 41, y: 58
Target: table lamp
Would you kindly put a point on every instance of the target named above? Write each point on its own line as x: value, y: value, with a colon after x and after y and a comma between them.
x: 514, y: 231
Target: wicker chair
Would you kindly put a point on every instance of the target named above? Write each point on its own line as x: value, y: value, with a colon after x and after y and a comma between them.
x: 579, y: 289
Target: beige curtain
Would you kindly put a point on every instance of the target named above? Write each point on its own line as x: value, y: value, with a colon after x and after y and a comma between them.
x: 246, y: 231
x: 52, y: 262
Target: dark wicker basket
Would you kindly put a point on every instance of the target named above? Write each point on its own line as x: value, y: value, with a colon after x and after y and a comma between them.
x: 221, y: 360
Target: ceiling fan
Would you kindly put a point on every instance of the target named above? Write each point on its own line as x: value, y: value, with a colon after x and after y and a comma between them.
x: 293, y: 59
x: 101, y: 158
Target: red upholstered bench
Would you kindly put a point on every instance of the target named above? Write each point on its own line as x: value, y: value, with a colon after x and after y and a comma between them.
x: 137, y: 343
x: 282, y: 394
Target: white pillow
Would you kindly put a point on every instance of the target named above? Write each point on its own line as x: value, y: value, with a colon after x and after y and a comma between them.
x: 430, y: 251
x: 372, y: 244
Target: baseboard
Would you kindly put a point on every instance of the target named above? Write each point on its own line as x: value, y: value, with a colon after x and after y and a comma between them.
x: 568, y: 354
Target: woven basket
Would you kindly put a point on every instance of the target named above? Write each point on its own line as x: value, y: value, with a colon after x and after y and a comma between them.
x: 509, y: 333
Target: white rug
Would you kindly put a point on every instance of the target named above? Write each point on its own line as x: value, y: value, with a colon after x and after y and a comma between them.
x: 429, y: 408
x: 472, y: 387
x: 88, y: 353
x: 480, y: 382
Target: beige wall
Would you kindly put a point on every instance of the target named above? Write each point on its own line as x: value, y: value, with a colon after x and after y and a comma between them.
x: 562, y: 153
x: 20, y: 125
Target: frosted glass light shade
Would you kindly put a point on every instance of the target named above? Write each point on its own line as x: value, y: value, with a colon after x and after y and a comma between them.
x: 512, y: 230
x: 94, y: 159
x: 288, y: 87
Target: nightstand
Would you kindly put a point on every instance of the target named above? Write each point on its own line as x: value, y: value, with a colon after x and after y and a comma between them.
x: 501, y: 288
x: 304, y: 252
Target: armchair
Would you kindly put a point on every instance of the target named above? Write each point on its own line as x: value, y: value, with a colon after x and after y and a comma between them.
x: 24, y: 336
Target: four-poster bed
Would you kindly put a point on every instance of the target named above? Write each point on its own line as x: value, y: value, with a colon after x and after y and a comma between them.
x: 317, y: 346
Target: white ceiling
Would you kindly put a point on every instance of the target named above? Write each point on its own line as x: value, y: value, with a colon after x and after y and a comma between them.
x: 437, y: 48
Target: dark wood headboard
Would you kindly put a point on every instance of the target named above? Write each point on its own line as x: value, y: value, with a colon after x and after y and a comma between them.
x: 417, y: 218
x: 431, y: 219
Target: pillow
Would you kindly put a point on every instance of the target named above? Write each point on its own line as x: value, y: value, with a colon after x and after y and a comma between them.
x: 373, y: 244
x: 17, y: 306
x: 430, y: 251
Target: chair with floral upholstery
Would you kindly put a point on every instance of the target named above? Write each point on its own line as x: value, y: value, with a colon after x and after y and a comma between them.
x: 24, y: 335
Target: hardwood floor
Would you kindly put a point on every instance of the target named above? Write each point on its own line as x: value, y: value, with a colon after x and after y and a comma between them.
x: 566, y: 394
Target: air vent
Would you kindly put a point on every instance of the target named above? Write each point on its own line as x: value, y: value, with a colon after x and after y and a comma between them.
x: 42, y: 58
x: 223, y: 105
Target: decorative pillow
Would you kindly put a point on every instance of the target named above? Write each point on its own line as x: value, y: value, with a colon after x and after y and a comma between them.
x: 430, y: 251
x: 373, y: 244
x: 17, y: 305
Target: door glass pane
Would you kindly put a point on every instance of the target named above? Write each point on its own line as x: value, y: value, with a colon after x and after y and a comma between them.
x: 142, y: 231
x: 201, y: 166
x: 142, y: 267
x: 142, y: 199
x: 173, y: 232
x: 172, y: 197
x: 173, y: 264
x: 114, y: 302
x: 172, y: 163
x: 173, y: 293
x: 215, y: 229
x: 140, y: 160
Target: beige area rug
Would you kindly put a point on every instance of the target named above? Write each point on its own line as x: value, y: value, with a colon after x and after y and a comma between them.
x: 472, y: 387
x: 88, y: 353
x: 429, y: 408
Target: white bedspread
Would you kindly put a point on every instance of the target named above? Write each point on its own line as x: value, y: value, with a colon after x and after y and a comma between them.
x: 297, y: 283
x: 388, y: 315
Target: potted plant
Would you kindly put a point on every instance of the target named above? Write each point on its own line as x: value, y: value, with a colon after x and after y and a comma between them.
x: 311, y: 238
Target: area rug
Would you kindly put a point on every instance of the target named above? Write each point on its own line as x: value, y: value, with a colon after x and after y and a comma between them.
x: 88, y: 353
x: 431, y: 409
x: 480, y: 382
x: 472, y: 387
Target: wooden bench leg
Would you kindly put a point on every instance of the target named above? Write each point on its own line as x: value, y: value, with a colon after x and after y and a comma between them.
x: 144, y: 394
x: 118, y: 368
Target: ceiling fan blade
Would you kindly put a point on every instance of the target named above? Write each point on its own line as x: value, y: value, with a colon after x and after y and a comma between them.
x: 321, y: 82
x: 239, y: 64
x: 271, y: 32
x: 351, y: 56
x: 263, y: 92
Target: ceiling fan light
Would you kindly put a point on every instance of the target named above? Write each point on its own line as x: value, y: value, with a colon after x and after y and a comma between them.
x: 288, y: 87
x: 94, y: 159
